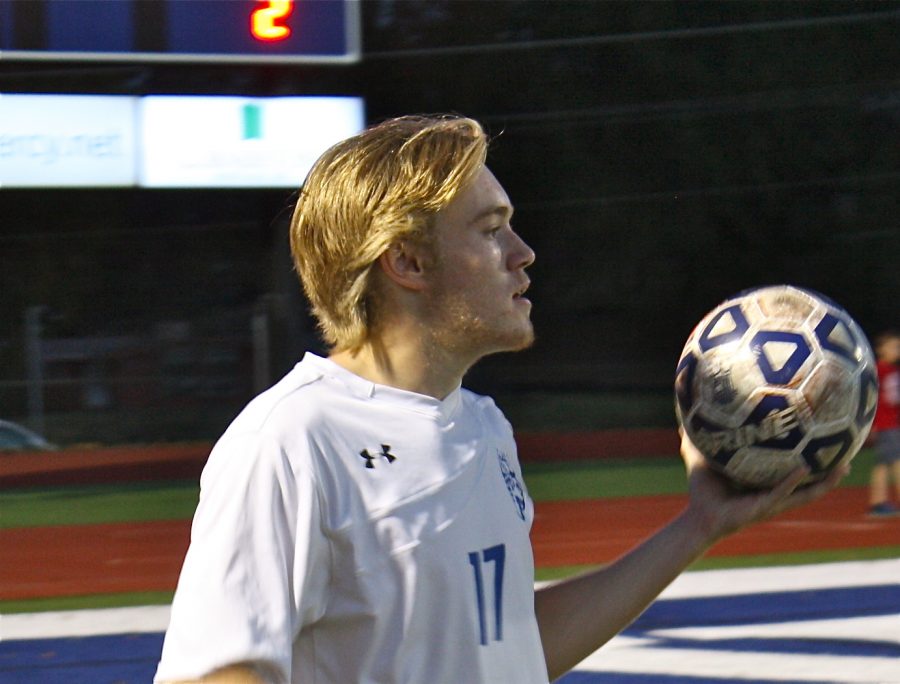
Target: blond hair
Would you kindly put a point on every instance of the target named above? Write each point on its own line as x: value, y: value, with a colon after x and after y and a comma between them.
x: 366, y: 193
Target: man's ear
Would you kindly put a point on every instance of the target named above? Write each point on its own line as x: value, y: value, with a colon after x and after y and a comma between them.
x: 404, y: 263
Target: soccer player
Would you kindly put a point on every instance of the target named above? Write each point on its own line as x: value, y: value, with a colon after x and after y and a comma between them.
x: 365, y: 519
x: 886, y: 427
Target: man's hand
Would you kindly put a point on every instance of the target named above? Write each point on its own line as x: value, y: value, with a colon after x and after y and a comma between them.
x: 720, y: 509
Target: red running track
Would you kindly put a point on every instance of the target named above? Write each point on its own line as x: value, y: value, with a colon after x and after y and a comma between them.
x: 39, y: 562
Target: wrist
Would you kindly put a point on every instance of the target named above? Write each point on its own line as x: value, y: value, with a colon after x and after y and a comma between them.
x: 700, y: 529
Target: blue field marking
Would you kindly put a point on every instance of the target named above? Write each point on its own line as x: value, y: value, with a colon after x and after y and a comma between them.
x: 118, y: 659
x: 770, y: 607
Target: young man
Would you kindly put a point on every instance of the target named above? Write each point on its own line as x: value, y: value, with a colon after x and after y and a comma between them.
x: 886, y: 428
x: 365, y: 519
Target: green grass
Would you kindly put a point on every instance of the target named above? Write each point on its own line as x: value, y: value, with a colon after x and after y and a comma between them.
x: 632, y: 477
x: 96, y: 504
x: 760, y: 561
x: 91, y: 602
x: 606, y: 478
x: 799, y: 558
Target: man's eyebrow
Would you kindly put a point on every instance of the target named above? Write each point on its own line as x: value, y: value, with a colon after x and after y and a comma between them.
x: 501, y: 211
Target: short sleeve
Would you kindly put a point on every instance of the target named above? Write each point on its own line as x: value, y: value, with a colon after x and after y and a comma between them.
x: 257, y: 565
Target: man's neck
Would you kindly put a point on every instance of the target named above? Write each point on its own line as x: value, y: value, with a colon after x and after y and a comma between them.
x: 410, y: 367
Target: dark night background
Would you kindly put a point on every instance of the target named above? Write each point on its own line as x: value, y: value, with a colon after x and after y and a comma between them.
x: 661, y: 156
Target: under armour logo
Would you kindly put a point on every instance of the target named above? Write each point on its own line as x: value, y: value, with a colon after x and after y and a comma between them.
x: 385, y: 453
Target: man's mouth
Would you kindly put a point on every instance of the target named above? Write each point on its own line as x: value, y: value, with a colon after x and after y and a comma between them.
x: 518, y: 294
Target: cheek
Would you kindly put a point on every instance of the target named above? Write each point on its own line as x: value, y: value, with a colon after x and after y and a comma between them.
x: 466, y: 268
x: 485, y: 259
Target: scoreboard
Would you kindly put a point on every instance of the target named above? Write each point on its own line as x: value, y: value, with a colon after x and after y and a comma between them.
x: 324, y: 31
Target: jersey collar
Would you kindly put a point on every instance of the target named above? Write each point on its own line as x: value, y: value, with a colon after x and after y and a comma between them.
x: 365, y: 389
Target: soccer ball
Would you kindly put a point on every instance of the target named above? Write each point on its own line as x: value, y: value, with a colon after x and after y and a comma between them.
x: 775, y: 378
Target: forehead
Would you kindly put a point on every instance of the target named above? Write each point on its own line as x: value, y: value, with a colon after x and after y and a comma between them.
x: 483, y: 198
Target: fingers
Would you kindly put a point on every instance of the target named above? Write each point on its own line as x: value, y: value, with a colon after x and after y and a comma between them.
x: 838, y: 473
x: 830, y: 482
x: 792, y: 495
x: 787, y: 486
x: 689, y: 452
x: 781, y: 496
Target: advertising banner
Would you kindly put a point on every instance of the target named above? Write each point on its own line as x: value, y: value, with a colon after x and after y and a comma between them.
x: 218, y: 141
x: 67, y: 141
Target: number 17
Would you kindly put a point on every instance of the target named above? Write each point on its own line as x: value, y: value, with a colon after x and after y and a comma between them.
x: 497, y: 556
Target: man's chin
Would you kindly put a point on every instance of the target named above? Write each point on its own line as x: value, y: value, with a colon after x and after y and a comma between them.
x: 527, y: 340
x: 519, y: 342
x: 482, y: 340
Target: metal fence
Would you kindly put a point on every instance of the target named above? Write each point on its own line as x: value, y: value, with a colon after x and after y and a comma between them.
x: 179, y: 379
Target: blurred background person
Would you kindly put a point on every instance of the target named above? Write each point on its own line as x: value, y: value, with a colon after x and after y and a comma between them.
x: 886, y: 428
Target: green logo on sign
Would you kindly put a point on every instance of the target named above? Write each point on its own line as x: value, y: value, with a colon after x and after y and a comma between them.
x: 252, y: 122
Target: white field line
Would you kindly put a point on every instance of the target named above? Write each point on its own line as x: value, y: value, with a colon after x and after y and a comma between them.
x: 79, y: 623
x: 741, y: 581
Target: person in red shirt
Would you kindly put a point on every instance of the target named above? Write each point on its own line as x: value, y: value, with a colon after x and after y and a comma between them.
x: 886, y: 428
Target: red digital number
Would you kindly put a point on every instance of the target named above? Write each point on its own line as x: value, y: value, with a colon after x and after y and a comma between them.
x: 269, y: 22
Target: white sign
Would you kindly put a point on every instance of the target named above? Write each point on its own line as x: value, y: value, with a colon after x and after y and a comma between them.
x: 217, y: 141
x: 67, y: 141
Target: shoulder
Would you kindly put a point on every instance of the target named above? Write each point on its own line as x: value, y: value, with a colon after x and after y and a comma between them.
x: 487, y: 411
x: 481, y: 402
x: 308, y: 399
x: 280, y: 424
x: 294, y: 397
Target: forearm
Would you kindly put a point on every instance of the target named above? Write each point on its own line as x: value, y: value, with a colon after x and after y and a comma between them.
x: 236, y: 674
x: 580, y: 614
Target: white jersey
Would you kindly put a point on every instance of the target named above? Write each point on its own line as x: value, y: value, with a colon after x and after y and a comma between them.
x: 349, y: 532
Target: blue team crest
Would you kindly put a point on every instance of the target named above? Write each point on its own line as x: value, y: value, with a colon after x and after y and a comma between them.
x: 516, y: 491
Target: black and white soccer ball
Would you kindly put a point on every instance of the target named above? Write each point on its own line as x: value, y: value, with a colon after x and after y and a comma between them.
x: 774, y: 378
